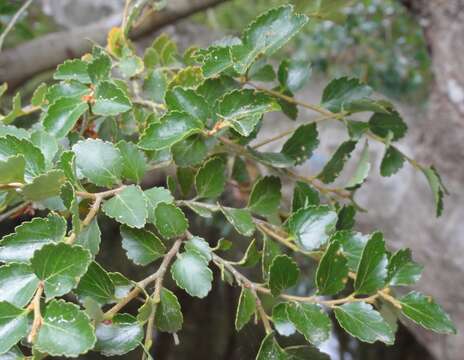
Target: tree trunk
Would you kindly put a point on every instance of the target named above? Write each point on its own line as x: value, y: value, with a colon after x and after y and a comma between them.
x: 437, y: 137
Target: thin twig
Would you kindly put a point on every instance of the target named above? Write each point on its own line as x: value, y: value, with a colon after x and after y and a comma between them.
x: 35, y: 306
x: 13, y: 21
x: 14, y: 210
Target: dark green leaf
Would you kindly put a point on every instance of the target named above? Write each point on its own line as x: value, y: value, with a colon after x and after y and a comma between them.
x: 361, y: 171
x: 341, y: 92
x: 245, y: 309
x: 382, y: 124
x: 363, y: 322
x: 191, y: 273
x: 90, y: 238
x: 265, y: 196
x: 332, y: 272
x: 128, y: 207
x: 188, y: 101
x: 185, y: 178
x: 170, y: 220
x: 303, y: 196
x: 60, y: 266
x: 335, y: 165
x: 142, y: 246
x: 251, y: 256
x: 283, y: 274
x: 173, y: 127
x: 99, y: 68
x: 424, y: 311
x: 438, y: 189
x: 110, y: 100
x: 75, y: 69
x: 72, y: 326
x: 270, y: 349
x: 240, y: 219
x: 267, y: 34
x: 154, y: 196
x: 96, y: 284
x: 190, y: 151
x: 211, y: 178
x: 402, y: 270
x: 168, y: 316
x: 277, y: 160
x: 372, y: 269
x: 353, y: 244
x: 311, y: 321
x: 121, y: 335
x: 280, y: 319
x: 216, y: 61
x: 302, y: 143
x: 31, y: 236
x: 392, y: 161
x: 346, y: 217
x: 62, y: 116
x: 311, y: 227
x: 99, y: 161
x: 13, y: 325
x: 17, y: 284
x: 270, y: 250
x: 305, y: 352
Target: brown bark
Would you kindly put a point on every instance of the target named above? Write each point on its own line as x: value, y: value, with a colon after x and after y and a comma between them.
x: 22, y: 62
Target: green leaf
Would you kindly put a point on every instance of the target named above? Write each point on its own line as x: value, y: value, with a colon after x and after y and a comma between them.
x: 38, y: 96
x: 302, y: 143
x: 267, y: 34
x: 335, y: 165
x: 361, y: 171
x: 277, y: 160
x: 185, y: 178
x: 12, y: 169
x: 217, y: 60
x: 170, y: 220
x: 332, y: 271
x: 270, y: 250
x: 199, y: 245
x: 61, y: 116
x: 188, y: 77
x: 280, y: 319
x: 96, y: 284
x: 60, y: 266
x: 283, y: 274
x: 99, y: 68
x: 240, y: 219
x: 142, y: 246
x: 69, y: 89
x: 356, y: 129
x: 200, y: 210
x: 190, y: 152
x: 293, y: 74
x: 110, y: 100
x: 31, y: 236
x: 311, y: 226
x: 437, y: 187
x: 346, y: 217
x: 17, y: 284
x: 353, y: 244
x: 190, y: 272
x: 260, y: 71
x: 155, y: 85
x: 130, y: 65
x: 99, y: 161
x: 246, y: 308
x: 13, y: 325
x: 425, y: 312
x: 133, y: 161
x: 155, y: 196
x: 305, y: 352
x: 243, y: 109
x: 90, y: 238
x: 270, y: 349
x: 16, y: 110
x: 128, y: 207
x: 363, y: 322
x: 265, y: 196
x: 122, y: 285
x: 187, y: 101
x: 66, y: 322
x: 372, y: 269
x: 47, y: 144
x: 303, y: 196
x: 382, y: 124
x: 44, y: 186
x: 311, y: 321
x: 35, y: 161
x: 392, y: 161
x: 75, y: 69
x: 251, y: 256
x: 13, y: 131
x: 402, y: 270
x: 168, y: 317
x: 172, y: 128
x: 340, y: 93
x: 210, y: 179
x: 14, y: 353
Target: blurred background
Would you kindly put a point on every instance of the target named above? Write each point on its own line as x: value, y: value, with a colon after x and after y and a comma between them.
x: 410, y: 51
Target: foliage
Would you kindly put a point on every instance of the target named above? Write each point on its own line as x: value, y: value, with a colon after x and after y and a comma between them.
x: 111, y: 117
x: 375, y: 39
